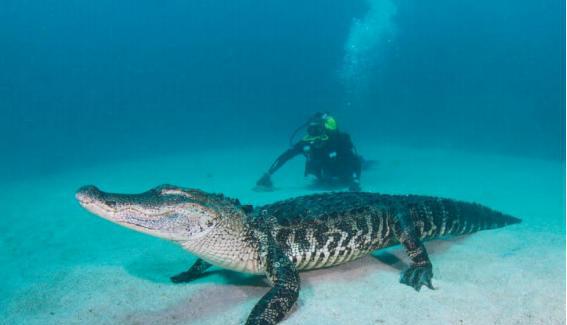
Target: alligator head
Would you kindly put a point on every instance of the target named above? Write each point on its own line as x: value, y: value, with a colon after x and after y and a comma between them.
x: 167, y: 211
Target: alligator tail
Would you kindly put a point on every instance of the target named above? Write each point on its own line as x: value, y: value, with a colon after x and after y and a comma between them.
x: 445, y: 217
x: 471, y: 217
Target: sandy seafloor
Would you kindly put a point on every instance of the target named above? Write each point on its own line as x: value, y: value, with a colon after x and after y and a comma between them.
x: 61, y: 265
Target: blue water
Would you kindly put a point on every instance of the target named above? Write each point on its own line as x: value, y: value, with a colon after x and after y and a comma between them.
x: 95, y: 81
x: 464, y: 99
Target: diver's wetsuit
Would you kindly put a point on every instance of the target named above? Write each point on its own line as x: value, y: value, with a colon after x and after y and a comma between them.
x: 334, y: 159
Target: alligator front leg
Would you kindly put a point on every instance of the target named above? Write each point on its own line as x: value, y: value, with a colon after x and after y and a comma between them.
x: 420, y: 271
x: 193, y: 273
x: 284, y: 277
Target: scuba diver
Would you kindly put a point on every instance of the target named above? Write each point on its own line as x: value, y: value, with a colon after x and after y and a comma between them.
x: 331, y: 156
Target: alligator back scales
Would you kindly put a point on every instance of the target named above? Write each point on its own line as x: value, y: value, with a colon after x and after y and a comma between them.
x: 323, y: 230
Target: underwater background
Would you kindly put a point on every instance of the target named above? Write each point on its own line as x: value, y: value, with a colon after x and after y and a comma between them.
x: 84, y: 82
x: 463, y: 99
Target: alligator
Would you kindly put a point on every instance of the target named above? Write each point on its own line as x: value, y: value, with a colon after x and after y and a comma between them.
x: 304, y: 233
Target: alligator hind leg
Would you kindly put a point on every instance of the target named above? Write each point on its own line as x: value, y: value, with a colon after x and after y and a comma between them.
x: 282, y: 273
x: 420, y: 271
x: 193, y: 273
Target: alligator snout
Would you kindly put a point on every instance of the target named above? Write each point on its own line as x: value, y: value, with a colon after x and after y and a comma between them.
x: 88, y: 194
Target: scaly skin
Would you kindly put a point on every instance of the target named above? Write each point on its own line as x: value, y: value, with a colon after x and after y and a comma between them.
x: 298, y: 234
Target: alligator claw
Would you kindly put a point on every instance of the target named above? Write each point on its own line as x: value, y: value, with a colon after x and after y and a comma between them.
x: 417, y: 276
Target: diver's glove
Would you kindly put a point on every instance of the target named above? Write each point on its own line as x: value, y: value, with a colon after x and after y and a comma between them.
x: 265, y: 181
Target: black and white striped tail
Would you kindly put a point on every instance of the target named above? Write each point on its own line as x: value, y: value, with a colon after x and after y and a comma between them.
x: 448, y: 217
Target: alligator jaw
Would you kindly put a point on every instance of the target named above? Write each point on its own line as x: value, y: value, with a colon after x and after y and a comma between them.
x: 105, y: 205
x: 147, y: 212
x: 90, y: 198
